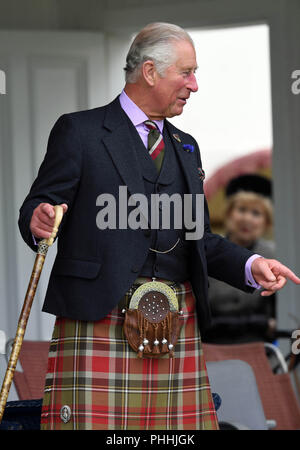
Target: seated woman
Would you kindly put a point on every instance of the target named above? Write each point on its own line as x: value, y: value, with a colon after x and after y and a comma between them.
x: 239, y: 317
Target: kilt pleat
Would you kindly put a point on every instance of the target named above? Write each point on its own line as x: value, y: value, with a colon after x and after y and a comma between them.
x: 93, y: 371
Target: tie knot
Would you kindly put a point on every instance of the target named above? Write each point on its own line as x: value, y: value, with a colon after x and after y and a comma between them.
x: 156, y: 146
x: 150, y: 125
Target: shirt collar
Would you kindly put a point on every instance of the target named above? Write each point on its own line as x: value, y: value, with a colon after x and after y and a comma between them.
x: 135, y: 114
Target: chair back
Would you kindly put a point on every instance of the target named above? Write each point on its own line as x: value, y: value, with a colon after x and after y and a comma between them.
x: 235, y: 382
x: 276, y: 391
x: 33, y: 359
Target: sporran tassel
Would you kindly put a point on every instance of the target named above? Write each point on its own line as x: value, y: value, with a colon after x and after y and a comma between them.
x: 141, y: 330
x: 164, y: 341
x: 170, y: 345
x: 147, y: 348
x: 156, y: 342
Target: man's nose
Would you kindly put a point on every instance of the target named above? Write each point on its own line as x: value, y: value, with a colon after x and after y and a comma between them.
x: 192, y: 83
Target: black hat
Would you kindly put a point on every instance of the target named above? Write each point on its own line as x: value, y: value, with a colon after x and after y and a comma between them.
x: 250, y: 183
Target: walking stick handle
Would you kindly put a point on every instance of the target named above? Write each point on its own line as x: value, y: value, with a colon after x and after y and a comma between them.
x: 24, y: 316
x: 59, y: 212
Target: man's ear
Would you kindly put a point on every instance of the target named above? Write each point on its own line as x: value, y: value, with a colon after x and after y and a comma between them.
x: 149, y: 72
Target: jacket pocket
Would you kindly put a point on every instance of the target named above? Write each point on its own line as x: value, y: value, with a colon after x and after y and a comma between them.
x: 76, y: 268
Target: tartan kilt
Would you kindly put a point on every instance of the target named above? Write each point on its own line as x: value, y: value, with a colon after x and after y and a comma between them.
x: 93, y: 370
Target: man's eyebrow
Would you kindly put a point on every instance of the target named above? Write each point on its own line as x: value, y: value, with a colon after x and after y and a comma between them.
x: 190, y: 69
x: 187, y: 68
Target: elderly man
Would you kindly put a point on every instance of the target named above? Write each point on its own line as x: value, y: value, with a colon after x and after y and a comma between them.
x: 126, y: 350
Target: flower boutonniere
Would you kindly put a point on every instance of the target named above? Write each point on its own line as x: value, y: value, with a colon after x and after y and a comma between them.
x: 188, y: 148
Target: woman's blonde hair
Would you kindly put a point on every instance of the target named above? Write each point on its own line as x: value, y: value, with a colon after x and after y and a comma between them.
x: 250, y: 197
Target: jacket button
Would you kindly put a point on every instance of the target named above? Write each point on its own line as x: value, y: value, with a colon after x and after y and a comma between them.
x: 135, y: 269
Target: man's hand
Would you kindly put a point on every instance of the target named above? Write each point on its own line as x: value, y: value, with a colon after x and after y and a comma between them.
x: 42, y: 220
x: 271, y: 275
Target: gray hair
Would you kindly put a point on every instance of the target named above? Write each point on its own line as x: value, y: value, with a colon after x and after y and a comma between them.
x: 155, y: 42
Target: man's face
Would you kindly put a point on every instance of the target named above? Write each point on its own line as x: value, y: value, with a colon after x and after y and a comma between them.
x: 173, y: 89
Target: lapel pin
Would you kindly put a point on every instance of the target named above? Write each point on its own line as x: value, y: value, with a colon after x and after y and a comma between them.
x: 176, y: 136
x: 201, y: 173
x: 188, y: 148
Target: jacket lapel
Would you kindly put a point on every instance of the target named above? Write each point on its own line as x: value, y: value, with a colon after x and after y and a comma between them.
x: 189, y: 163
x: 187, y: 160
x: 120, y: 146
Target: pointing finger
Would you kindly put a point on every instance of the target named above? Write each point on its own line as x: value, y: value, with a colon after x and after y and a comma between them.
x: 286, y: 272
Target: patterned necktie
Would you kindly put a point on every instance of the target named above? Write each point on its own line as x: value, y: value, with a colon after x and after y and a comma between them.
x: 156, y: 145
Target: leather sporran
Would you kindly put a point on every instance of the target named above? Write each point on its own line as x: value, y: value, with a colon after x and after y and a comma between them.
x: 152, y: 321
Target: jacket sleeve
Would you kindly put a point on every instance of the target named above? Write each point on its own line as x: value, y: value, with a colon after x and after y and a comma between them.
x: 58, y: 177
x: 225, y: 260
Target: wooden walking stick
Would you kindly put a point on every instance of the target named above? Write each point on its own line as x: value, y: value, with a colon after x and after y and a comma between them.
x: 23, y: 319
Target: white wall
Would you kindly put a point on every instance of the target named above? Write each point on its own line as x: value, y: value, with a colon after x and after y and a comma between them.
x: 116, y: 51
x: 48, y: 74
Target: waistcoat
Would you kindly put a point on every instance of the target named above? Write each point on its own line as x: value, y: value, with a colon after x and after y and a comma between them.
x: 173, y: 264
